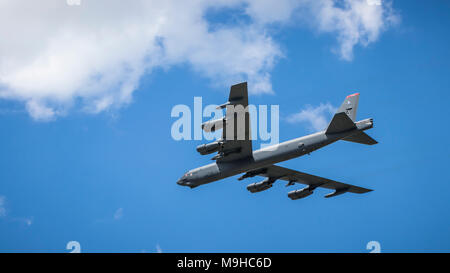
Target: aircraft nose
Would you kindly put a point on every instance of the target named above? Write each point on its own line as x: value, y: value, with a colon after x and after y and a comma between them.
x: 181, y: 181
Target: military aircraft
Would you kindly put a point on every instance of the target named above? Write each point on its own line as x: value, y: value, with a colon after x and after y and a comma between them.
x: 236, y: 156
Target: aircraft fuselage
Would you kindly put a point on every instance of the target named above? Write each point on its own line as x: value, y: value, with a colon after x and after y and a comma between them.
x: 267, y: 156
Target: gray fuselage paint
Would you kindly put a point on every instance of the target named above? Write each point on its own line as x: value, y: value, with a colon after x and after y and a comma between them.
x: 267, y: 156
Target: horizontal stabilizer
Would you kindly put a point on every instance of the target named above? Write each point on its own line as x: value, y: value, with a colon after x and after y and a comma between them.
x: 361, y: 138
x: 341, y: 122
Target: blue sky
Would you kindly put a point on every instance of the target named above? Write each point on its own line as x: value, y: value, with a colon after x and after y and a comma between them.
x: 106, y: 177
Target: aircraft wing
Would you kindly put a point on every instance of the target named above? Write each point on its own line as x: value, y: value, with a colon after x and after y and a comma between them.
x: 236, y: 134
x: 313, y: 181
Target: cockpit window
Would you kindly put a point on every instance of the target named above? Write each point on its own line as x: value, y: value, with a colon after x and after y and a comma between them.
x: 186, y: 174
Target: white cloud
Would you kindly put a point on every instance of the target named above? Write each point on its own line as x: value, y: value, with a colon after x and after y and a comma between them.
x: 55, y: 57
x: 118, y: 214
x: 269, y: 11
x: 2, y: 206
x: 374, y: 2
x: 3, y: 214
x: 39, y: 111
x: 317, y: 118
x: 354, y: 21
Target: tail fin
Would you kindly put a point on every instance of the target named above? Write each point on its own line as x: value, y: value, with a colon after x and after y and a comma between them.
x: 349, y: 106
x: 340, y: 123
x: 344, y: 119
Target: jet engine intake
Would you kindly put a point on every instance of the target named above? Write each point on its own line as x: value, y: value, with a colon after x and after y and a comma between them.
x: 213, y: 125
x: 208, y: 148
x: 302, y: 193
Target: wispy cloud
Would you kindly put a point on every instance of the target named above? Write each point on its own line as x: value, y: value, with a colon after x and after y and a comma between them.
x: 317, y: 118
x: 355, y: 22
x: 4, y: 214
x: 59, y: 60
x: 28, y: 221
x: 118, y: 214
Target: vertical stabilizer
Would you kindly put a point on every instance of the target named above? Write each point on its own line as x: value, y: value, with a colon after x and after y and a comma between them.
x: 345, y: 116
x: 349, y: 106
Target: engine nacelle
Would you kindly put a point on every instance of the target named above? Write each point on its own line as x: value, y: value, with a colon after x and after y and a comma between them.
x: 261, y: 186
x: 213, y: 125
x: 302, y: 193
x: 208, y: 148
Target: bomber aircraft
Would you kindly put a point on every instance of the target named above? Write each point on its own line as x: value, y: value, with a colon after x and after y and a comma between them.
x: 236, y: 156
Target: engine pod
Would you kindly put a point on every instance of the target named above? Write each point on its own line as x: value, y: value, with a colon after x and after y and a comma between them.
x: 209, y: 148
x: 261, y: 186
x: 302, y: 193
